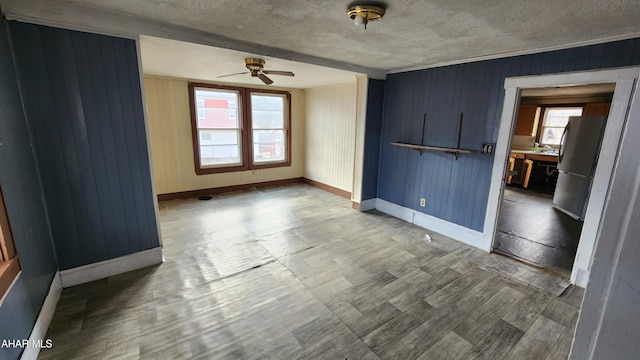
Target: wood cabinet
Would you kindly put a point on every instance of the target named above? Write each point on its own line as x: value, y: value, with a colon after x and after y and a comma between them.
x: 526, y: 120
x: 598, y: 109
x: 526, y: 172
x: 511, y: 172
x: 521, y: 166
x: 519, y: 169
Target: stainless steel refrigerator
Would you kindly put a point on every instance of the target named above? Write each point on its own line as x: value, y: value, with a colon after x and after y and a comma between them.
x: 577, y: 159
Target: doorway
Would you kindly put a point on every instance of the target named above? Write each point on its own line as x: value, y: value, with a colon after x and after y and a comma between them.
x: 534, y: 225
x: 625, y: 82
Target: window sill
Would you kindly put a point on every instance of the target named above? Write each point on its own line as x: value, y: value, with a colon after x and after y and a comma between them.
x: 219, y: 170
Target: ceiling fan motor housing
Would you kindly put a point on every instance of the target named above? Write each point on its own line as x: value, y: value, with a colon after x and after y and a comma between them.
x: 254, y: 65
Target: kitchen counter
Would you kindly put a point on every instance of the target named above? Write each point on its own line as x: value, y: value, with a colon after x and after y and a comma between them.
x: 535, y: 156
x: 520, y: 170
x: 547, y: 153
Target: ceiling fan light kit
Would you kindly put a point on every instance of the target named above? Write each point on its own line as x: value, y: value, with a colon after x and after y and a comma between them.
x: 256, y: 69
x: 362, y: 14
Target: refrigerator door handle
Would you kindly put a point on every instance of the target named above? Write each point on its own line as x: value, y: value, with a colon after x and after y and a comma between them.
x: 564, y: 133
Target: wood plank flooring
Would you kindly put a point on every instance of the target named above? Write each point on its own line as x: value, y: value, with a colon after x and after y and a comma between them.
x: 532, y: 230
x: 295, y: 273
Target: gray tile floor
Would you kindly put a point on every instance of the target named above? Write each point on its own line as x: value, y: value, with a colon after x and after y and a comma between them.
x: 295, y: 273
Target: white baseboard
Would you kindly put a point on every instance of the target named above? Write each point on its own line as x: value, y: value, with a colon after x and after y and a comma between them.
x: 103, y: 269
x: 454, y: 231
x: 581, y: 278
x: 44, y: 319
x: 394, y: 210
x: 368, y: 204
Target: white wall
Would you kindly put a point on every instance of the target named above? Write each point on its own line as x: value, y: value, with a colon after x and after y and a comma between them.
x: 330, y: 134
x: 609, y: 325
x: 361, y: 119
x: 167, y: 101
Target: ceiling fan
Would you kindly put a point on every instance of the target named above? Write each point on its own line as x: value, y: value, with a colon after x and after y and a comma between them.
x: 255, y: 67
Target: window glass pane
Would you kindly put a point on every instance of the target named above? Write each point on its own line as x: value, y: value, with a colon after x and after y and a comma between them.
x: 267, y: 111
x: 560, y: 116
x: 555, y: 120
x: 269, y: 145
x: 217, y: 108
x: 219, y: 137
x: 220, y: 147
x: 552, y: 135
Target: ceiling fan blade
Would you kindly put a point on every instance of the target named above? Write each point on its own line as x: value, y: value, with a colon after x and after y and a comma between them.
x: 276, y: 72
x: 265, y: 79
x: 242, y: 73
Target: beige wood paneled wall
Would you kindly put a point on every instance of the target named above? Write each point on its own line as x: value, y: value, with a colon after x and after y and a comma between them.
x: 330, y: 134
x: 361, y: 119
x: 167, y: 101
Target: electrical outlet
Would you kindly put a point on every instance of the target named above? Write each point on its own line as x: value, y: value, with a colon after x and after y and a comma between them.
x: 487, y: 148
x: 423, y: 202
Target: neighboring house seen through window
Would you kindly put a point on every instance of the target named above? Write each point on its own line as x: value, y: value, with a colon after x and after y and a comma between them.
x: 236, y: 129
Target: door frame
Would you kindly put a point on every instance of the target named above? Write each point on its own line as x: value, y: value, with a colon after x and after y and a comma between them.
x: 625, y: 83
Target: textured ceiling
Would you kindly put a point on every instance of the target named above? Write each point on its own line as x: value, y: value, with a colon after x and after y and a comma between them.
x: 413, y: 33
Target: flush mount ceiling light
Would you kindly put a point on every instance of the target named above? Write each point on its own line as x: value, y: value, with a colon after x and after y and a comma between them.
x: 362, y: 14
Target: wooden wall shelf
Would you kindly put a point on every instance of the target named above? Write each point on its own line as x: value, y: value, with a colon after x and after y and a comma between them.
x: 455, y: 151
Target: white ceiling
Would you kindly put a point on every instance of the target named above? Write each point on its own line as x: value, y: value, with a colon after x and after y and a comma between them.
x: 200, y: 62
x: 569, y: 91
x: 413, y: 34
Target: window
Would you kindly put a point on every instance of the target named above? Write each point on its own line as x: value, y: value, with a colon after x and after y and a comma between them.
x: 236, y: 129
x: 554, y: 122
x: 9, y: 263
x: 219, y: 135
x: 269, y: 131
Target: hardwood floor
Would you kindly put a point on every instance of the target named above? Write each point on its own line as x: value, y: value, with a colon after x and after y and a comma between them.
x: 532, y: 230
x: 295, y: 273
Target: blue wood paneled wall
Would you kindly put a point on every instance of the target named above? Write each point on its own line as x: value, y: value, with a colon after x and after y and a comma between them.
x: 26, y: 210
x: 375, y: 100
x: 457, y: 190
x: 83, y: 102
